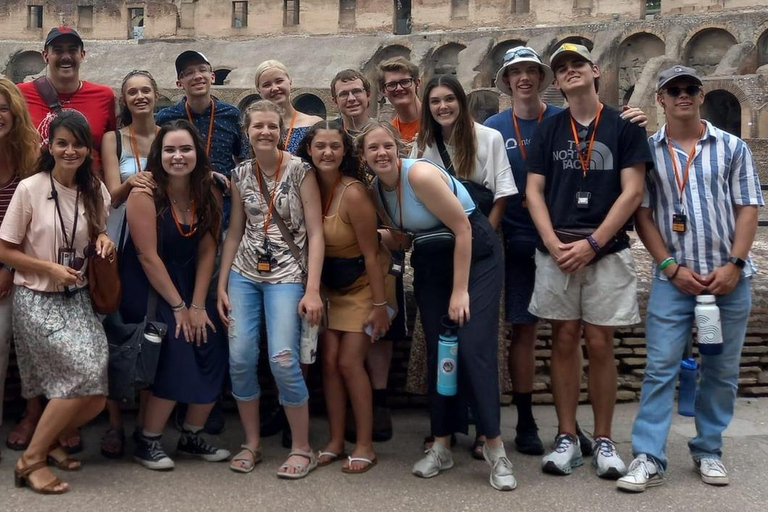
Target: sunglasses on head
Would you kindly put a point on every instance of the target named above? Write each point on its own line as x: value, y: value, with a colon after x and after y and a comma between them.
x: 690, y: 90
x: 521, y: 52
x: 88, y: 252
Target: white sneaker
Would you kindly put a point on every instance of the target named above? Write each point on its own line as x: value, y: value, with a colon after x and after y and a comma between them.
x: 437, y: 459
x: 712, y: 471
x: 643, y: 473
x: 606, y: 459
x: 502, y: 478
x: 565, y: 455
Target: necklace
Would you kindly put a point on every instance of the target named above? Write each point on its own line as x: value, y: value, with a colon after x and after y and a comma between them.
x: 192, y: 226
x: 182, y: 210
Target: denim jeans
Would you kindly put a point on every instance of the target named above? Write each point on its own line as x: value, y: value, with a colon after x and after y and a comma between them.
x: 668, y: 327
x: 6, y: 332
x: 280, y: 303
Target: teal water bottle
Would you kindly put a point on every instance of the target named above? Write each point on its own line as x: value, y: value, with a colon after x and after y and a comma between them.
x: 447, y: 357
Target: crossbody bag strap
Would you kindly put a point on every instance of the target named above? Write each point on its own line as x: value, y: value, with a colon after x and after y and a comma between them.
x: 152, y: 296
x: 47, y: 93
x: 281, y: 224
x: 444, y: 155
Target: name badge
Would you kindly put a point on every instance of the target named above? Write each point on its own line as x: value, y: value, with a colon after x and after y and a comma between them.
x: 582, y: 200
x: 679, y: 222
x: 396, y: 266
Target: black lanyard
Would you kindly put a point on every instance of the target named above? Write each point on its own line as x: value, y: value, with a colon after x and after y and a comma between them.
x: 55, y: 196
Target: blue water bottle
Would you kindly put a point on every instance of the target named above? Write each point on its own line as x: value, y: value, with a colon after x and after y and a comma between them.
x: 447, y: 357
x: 686, y: 396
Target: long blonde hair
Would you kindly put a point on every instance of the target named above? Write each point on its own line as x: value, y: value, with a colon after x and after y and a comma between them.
x: 23, y: 141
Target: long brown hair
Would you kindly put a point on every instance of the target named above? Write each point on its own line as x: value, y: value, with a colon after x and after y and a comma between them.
x: 23, y: 141
x: 88, y: 184
x: 463, y: 137
x: 201, y: 185
x: 126, y: 118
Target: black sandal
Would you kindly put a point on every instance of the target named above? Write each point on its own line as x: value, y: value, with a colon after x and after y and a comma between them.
x: 477, y: 449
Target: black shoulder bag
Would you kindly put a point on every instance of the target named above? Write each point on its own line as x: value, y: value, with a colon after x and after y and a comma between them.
x: 481, y: 195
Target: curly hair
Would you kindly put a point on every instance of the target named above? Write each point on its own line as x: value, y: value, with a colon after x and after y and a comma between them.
x: 23, y: 141
x: 88, y: 184
x: 126, y: 117
x: 350, y: 165
x: 207, y: 206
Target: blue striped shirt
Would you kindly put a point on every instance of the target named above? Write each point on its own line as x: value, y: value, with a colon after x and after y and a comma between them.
x: 723, y: 175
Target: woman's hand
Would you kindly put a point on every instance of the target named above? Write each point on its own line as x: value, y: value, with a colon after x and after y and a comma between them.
x: 223, y: 306
x: 6, y: 282
x: 183, y: 324
x: 142, y: 179
x: 458, y: 308
x: 63, y: 276
x: 198, y: 320
x: 105, y: 247
x: 311, y: 307
x: 379, y: 322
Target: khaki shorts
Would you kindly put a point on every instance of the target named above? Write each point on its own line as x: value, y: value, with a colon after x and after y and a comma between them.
x: 604, y: 293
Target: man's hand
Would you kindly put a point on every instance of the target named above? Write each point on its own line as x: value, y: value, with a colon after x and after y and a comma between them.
x: 686, y: 280
x: 723, y: 280
x: 634, y: 115
x: 575, y: 256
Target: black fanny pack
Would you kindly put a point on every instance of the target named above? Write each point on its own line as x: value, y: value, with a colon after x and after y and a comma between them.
x: 339, y: 273
x: 569, y: 235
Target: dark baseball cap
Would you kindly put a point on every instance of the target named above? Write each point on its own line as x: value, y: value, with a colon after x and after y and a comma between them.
x: 61, y: 31
x: 189, y: 57
x: 676, y: 72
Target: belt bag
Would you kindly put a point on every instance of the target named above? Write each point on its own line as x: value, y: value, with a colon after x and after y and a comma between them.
x: 434, y: 241
x: 339, y: 273
x: 613, y: 244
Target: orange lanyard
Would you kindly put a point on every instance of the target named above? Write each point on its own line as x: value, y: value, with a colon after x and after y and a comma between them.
x: 287, y: 139
x: 681, y: 182
x: 584, y: 161
x: 400, y: 193
x: 209, y: 135
x: 330, y: 197
x: 518, y: 135
x: 274, y: 188
x: 135, y: 147
x: 192, y: 228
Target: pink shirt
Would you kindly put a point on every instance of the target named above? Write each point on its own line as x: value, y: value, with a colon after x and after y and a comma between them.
x: 31, y: 222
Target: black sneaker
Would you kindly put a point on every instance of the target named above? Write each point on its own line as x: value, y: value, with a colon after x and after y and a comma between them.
x: 529, y: 442
x: 584, y: 441
x: 192, y: 445
x: 150, y: 454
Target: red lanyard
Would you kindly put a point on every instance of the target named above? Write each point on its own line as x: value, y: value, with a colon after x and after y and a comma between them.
x: 518, y: 135
x: 274, y: 188
x: 681, y: 182
x: 135, y: 147
x: 584, y: 161
x: 192, y: 227
x: 330, y: 197
x: 209, y: 135
x: 287, y: 139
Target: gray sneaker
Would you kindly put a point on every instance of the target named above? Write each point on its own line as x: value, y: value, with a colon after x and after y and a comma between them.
x: 502, y: 478
x: 643, y: 473
x: 437, y: 459
x: 565, y: 455
x: 712, y: 471
x: 606, y: 459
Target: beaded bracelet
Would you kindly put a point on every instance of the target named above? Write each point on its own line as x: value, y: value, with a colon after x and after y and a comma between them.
x: 667, y: 262
x: 195, y: 306
x: 593, y: 243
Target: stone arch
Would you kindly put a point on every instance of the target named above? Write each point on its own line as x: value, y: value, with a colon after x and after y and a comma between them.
x: 371, y: 70
x: 24, y: 64
x: 633, y: 54
x: 221, y: 75
x: 762, y: 49
x: 723, y: 109
x: 706, y: 48
x: 483, y: 104
x: 246, y: 99
x: 493, y: 60
x: 443, y: 61
x: 310, y: 104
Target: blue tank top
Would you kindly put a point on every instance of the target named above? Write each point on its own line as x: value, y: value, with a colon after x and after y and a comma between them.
x: 416, y: 216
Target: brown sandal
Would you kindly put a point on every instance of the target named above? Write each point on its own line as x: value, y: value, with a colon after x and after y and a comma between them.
x: 21, y: 479
x: 23, y: 430
x: 65, y: 464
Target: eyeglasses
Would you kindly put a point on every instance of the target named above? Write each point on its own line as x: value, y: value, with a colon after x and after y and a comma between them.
x: 88, y: 252
x: 405, y: 83
x: 357, y: 93
x: 522, y: 51
x: 690, y: 90
x: 193, y: 71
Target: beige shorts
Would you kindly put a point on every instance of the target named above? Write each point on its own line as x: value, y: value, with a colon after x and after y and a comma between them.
x: 604, y: 293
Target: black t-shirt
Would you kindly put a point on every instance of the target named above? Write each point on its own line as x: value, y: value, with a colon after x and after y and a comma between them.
x: 618, y: 144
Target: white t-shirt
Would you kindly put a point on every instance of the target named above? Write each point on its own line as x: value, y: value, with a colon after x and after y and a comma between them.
x: 492, y: 168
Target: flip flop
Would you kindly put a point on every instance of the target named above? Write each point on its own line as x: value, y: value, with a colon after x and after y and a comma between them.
x: 252, y: 463
x: 304, y: 470
x: 369, y: 464
x: 333, y: 458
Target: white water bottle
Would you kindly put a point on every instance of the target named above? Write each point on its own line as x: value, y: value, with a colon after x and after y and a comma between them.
x: 308, y: 344
x: 708, y: 326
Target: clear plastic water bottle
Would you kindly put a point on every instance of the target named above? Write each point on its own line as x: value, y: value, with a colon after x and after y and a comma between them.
x: 447, y: 358
x: 308, y: 343
x: 708, y: 327
x: 686, y: 396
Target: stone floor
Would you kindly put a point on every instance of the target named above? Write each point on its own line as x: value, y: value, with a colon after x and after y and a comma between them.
x: 198, y: 486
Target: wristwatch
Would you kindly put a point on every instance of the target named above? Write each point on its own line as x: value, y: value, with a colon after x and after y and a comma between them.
x: 740, y: 263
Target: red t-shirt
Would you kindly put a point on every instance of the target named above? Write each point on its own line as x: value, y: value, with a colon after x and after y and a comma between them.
x: 95, y: 101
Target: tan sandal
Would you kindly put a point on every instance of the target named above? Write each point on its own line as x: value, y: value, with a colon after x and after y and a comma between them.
x: 250, y: 464
x: 303, y: 470
x: 66, y: 463
x: 21, y: 479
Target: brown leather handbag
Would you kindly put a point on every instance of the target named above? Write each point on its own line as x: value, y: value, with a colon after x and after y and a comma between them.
x: 104, y: 284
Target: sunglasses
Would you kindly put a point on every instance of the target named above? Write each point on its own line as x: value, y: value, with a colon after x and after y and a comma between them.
x: 88, y: 252
x: 690, y: 90
x: 521, y: 52
x: 405, y: 83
